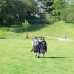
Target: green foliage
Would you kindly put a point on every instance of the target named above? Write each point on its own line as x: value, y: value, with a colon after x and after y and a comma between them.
x: 60, y: 10
x: 4, y: 28
x: 26, y: 25
x: 57, y: 30
x: 2, y: 34
x: 68, y: 14
x: 35, y: 20
x: 16, y: 10
x: 57, y: 7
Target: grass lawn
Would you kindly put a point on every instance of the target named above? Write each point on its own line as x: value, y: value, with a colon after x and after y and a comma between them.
x: 16, y: 58
x: 58, y: 30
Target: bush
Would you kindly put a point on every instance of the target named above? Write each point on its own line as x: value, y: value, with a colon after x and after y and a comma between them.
x: 53, y: 19
x: 26, y: 25
x: 35, y: 20
x: 2, y: 33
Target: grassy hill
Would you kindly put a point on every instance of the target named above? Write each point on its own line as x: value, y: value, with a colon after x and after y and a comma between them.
x: 16, y: 58
x: 57, y: 29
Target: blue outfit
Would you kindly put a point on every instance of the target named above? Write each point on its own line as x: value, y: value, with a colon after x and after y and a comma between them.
x: 43, y: 46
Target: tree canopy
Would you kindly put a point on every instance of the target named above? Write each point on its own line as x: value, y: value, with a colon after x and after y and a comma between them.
x: 11, y: 10
x: 20, y: 10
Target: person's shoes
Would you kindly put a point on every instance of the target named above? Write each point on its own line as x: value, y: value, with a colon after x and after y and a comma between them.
x: 38, y: 56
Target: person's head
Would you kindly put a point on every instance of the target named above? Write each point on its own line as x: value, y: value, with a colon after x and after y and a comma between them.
x: 42, y: 38
x: 35, y: 37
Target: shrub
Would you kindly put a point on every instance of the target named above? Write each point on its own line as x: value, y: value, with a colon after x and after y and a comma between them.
x: 26, y: 25
x: 2, y: 33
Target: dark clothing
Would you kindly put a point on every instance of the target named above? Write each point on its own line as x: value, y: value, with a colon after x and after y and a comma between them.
x: 43, y: 46
x: 36, y: 45
x: 36, y: 48
x: 27, y: 35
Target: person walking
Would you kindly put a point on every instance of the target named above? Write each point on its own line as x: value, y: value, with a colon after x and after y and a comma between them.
x: 65, y: 36
x: 35, y: 45
x: 43, y: 46
x: 27, y: 36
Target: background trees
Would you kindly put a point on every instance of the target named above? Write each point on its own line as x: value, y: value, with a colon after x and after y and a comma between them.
x: 68, y: 13
x: 12, y: 10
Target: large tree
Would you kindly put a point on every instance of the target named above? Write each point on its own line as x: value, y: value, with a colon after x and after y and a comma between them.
x: 11, y: 10
x: 57, y: 7
x: 68, y: 13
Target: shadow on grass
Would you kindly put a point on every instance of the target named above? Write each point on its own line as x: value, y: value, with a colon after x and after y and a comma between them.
x: 2, y: 37
x: 53, y: 57
x: 33, y: 27
x: 35, y: 24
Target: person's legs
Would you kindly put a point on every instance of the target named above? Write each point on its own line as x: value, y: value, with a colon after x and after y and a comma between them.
x: 35, y: 54
x: 38, y: 54
x: 43, y: 53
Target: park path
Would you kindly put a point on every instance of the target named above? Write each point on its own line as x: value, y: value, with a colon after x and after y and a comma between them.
x: 60, y: 39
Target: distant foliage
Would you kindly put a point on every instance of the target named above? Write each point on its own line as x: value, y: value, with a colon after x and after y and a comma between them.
x: 16, y: 10
x: 2, y: 33
x: 26, y: 25
x: 57, y: 7
x: 68, y: 14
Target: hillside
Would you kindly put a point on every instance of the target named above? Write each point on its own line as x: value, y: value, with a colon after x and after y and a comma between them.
x: 16, y: 58
x: 57, y: 29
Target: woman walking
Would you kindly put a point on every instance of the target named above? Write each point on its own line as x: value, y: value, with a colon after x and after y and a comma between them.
x: 36, y: 46
x: 43, y: 46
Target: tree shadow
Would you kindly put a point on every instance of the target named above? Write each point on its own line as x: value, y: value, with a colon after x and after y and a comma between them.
x: 33, y: 27
x: 69, y: 22
x: 2, y: 37
x: 35, y: 24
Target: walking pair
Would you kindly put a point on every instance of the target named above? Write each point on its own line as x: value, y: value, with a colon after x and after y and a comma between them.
x: 39, y: 46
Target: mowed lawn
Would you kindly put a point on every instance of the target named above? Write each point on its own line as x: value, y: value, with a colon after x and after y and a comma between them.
x: 16, y: 58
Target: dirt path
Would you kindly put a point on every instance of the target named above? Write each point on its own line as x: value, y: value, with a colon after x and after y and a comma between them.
x: 60, y: 39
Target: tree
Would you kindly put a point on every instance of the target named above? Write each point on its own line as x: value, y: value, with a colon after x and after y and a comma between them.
x: 57, y: 7
x: 26, y: 25
x: 16, y: 10
x: 68, y: 14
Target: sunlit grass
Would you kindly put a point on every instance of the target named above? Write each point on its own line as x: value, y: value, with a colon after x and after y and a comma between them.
x: 16, y: 58
x: 58, y: 29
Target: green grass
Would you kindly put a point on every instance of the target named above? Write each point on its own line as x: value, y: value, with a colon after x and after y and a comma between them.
x: 16, y: 58
x: 57, y: 29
